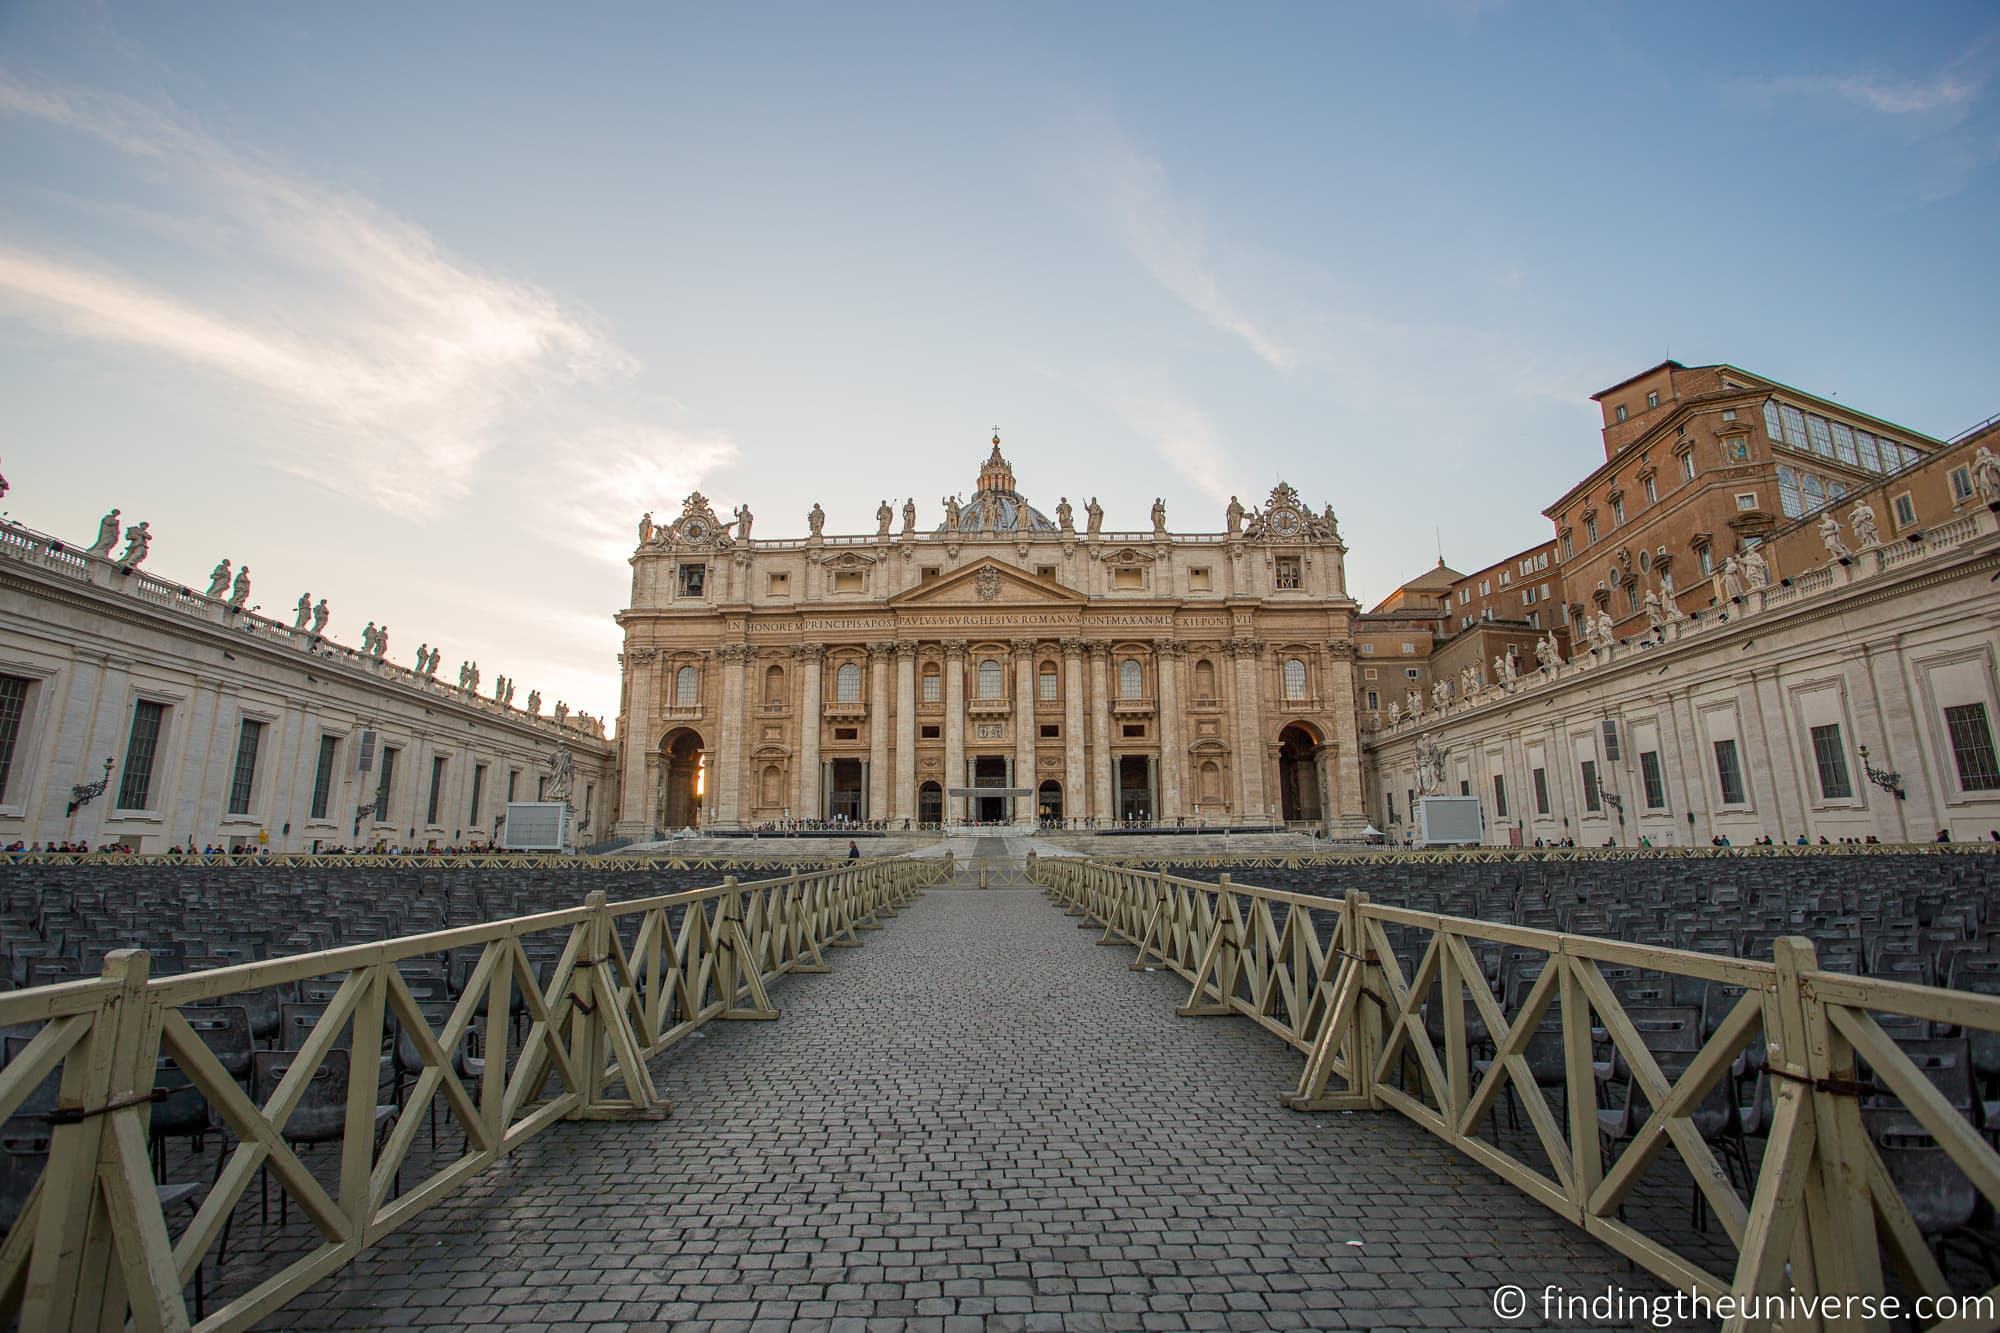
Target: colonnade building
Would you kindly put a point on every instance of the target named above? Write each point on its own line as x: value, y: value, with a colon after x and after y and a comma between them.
x: 999, y: 667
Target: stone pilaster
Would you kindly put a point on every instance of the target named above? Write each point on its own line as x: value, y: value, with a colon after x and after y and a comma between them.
x: 878, y: 729
x: 1074, y: 803
x: 1340, y: 787
x: 906, y: 733
x: 1024, y: 730
x: 1101, y: 767
x: 635, y: 818
x: 1173, y: 751
x: 727, y: 770
x: 811, y: 658
x: 954, y: 729
x: 1249, y: 730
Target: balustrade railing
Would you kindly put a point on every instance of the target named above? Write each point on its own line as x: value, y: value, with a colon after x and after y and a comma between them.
x: 1876, y: 1151
x: 549, y: 1014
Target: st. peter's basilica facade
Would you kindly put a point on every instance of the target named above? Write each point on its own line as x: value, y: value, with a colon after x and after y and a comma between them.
x: 1002, y: 667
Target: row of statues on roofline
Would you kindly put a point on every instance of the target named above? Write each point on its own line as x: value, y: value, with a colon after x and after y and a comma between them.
x: 232, y: 587
x: 1241, y: 521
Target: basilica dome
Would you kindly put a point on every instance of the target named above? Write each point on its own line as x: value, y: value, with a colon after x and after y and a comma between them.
x: 996, y: 507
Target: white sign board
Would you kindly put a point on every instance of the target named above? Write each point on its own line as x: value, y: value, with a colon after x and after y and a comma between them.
x: 536, y: 826
x: 1449, y: 821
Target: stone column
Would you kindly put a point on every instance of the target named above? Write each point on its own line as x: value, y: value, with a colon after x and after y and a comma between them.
x: 636, y: 734
x: 1340, y: 792
x: 1167, y: 662
x: 906, y: 733
x: 1101, y: 767
x: 807, y: 806
x: 727, y: 768
x: 878, y: 729
x: 1249, y: 731
x: 1024, y: 730
x: 1074, y: 804
x: 954, y: 729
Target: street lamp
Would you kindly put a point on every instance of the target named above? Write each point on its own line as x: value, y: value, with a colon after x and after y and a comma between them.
x: 85, y: 792
x: 1888, y: 780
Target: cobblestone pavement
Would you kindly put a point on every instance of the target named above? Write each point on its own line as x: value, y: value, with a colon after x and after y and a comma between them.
x: 980, y: 1120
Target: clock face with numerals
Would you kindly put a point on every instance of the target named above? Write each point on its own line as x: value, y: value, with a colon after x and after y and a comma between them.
x: 1285, y: 522
x: 694, y: 529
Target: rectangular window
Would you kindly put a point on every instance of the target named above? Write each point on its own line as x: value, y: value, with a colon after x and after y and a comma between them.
x: 513, y: 783
x: 1590, y: 529
x: 1865, y: 443
x: 1134, y: 730
x: 437, y: 787
x: 1127, y: 578
x: 1653, y: 399
x: 1534, y: 620
x: 1652, y: 492
x: 1617, y: 511
x: 1374, y: 701
x: 1906, y: 511
x: 847, y: 580
x: 1499, y: 796
x: 244, y: 780
x: 1655, y: 783
x: 930, y: 731
x: 1771, y: 426
x: 1972, y: 747
x: 13, y: 705
x: 1746, y: 501
x: 1831, y: 761
x: 1409, y: 648
x: 1045, y: 571
x: 1728, y: 772
x: 1412, y: 673
x: 1367, y: 650
x: 1591, y: 801
x: 385, y: 781
x: 1843, y: 443
x: 1289, y: 578
x: 329, y: 746
x: 135, y: 787
x: 1707, y: 562
x: 933, y: 688
x: 778, y: 585
x: 1541, y: 776
x: 1046, y: 686
x: 1814, y: 490
x: 478, y: 791
x: 694, y: 577
x: 1795, y: 427
x: 1821, y: 436
x: 1051, y: 731
x: 847, y: 733
x: 1464, y: 596
x: 1620, y: 412
x: 1199, y: 579
x: 1961, y: 484
x: 930, y: 572
x: 1389, y: 799
x: 1687, y: 465
x: 1569, y: 547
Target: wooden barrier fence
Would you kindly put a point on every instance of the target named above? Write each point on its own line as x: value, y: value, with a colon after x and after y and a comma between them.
x: 1820, y: 1216
x: 92, y: 1248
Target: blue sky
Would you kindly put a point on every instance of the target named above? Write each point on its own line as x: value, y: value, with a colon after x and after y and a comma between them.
x: 420, y: 307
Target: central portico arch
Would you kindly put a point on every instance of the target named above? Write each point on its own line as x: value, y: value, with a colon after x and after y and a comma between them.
x: 1298, y: 773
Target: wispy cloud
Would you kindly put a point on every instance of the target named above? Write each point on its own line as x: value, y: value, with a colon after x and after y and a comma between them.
x: 632, y: 465
x: 403, y: 365
x: 1179, y: 431
x: 1948, y: 93
x: 1127, y: 190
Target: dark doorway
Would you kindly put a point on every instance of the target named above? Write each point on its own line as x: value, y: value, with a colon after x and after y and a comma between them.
x: 681, y: 779
x: 1135, y: 788
x: 990, y: 770
x: 843, y: 790
x: 1048, y: 802
x: 930, y: 804
x: 1298, y: 774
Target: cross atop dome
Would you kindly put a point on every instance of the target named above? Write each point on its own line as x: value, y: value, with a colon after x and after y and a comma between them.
x: 997, y: 474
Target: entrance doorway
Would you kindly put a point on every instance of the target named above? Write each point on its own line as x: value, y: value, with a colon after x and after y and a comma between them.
x: 990, y: 770
x: 1048, y: 802
x: 930, y: 803
x: 843, y: 790
x: 1298, y: 774
x: 682, y: 779
x: 1135, y: 788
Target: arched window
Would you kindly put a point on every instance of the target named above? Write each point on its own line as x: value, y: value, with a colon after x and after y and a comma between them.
x: 685, y: 681
x: 1131, y: 679
x: 1204, y: 679
x: 847, y: 683
x: 1295, y: 678
x: 774, y: 685
x: 990, y: 677
x: 933, y: 684
x: 1211, y: 781
x: 1048, y: 682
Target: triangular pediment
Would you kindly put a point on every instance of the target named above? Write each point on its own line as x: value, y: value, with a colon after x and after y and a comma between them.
x: 988, y: 583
